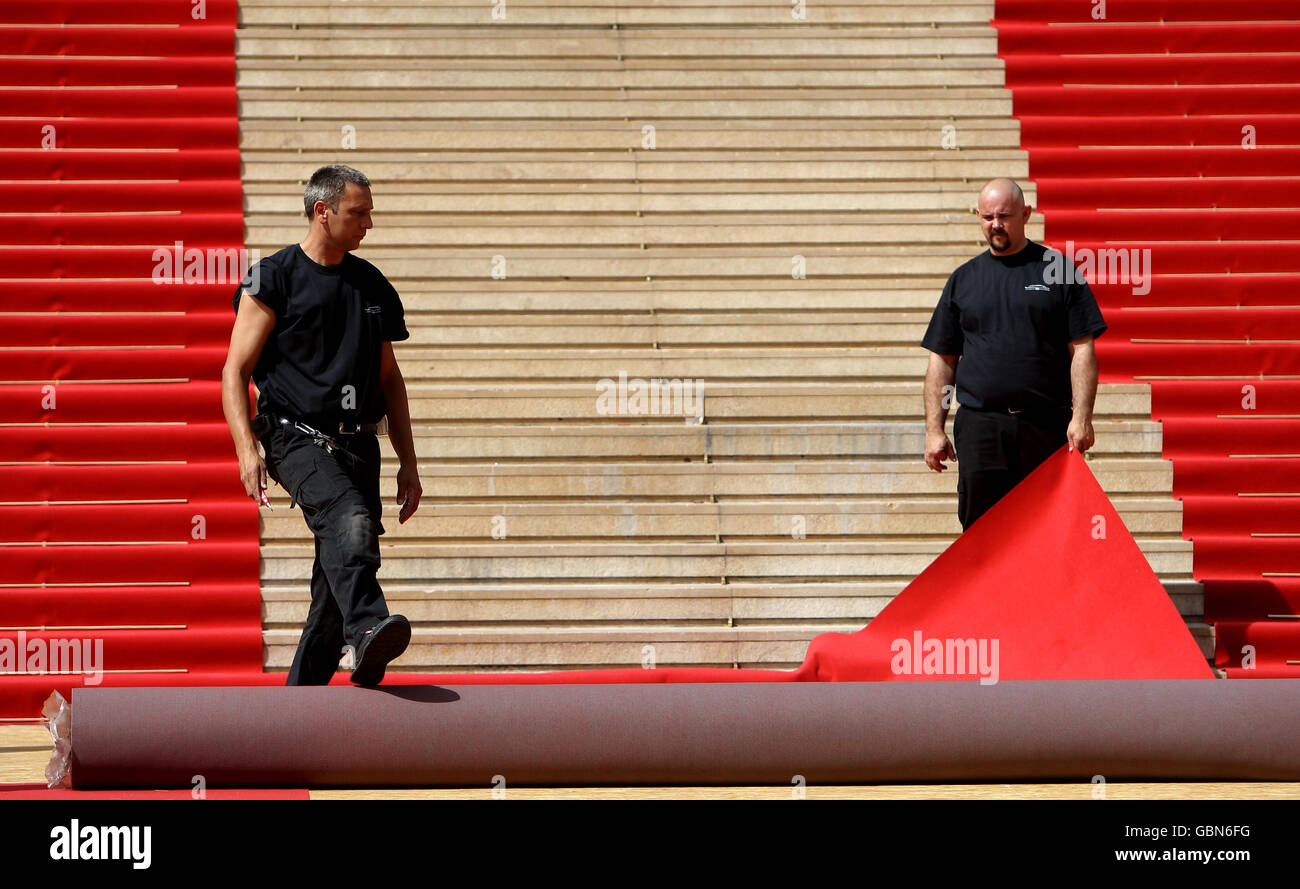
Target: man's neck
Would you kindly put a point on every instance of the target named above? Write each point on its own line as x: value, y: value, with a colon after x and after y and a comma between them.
x: 320, y: 252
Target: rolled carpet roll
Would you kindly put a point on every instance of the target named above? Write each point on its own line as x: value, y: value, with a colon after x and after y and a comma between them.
x: 727, y: 733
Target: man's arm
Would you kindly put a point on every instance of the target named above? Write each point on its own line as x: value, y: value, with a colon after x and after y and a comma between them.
x: 253, y: 324
x: 939, y: 388
x: 399, y: 433
x: 1083, y: 386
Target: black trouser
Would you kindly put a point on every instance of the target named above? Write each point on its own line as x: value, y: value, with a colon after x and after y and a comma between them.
x: 339, y: 497
x: 996, y: 450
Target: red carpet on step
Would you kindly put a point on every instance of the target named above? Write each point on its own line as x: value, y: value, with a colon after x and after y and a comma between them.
x: 1172, y: 125
x: 124, y: 523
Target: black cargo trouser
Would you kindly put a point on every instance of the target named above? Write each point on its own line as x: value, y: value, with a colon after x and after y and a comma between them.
x: 996, y: 450
x: 339, y: 498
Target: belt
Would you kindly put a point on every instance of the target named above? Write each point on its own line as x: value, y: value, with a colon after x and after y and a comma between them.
x: 263, y: 423
x: 1036, y: 411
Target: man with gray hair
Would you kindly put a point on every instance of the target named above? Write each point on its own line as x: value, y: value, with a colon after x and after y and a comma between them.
x: 1014, y: 346
x: 314, y: 329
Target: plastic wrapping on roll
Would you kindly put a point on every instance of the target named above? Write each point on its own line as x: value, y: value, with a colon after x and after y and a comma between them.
x: 58, y: 719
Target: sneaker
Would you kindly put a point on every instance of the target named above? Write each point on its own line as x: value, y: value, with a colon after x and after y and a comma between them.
x: 383, y: 642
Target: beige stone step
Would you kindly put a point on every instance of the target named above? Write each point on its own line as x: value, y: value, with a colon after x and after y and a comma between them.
x: 702, y: 94
x: 650, y: 167
x: 633, y: 232
x: 778, y: 648
x: 768, y: 646
x: 841, y: 479
x: 761, y: 401
x: 504, y: 332
x: 484, y: 45
x: 420, y: 363
x: 703, y: 266
x: 549, y: 198
x: 648, y: 522
x: 968, y: 72
x: 441, y: 604
x: 806, y: 559
x: 601, y: 14
x: 918, y: 294
x: 875, y: 341
x: 676, y: 441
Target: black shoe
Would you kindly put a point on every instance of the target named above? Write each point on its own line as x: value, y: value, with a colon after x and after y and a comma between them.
x: 382, y: 643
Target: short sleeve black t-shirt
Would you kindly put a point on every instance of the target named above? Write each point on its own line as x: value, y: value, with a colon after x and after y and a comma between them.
x: 321, y: 362
x: 1011, y: 320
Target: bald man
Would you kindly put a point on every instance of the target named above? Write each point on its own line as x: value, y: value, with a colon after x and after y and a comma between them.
x: 1016, y: 351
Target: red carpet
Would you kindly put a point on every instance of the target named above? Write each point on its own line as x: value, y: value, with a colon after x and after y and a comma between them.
x: 1173, y: 126
x: 124, y: 523
x: 1049, y: 583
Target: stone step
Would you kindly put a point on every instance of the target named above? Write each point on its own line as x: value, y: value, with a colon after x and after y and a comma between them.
x: 488, y: 44
x: 647, y: 522
x: 421, y: 364
x: 677, y: 442
x: 960, y: 72
x: 767, y: 646
x: 438, y: 604
x: 805, y: 559
x: 761, y: 401
x: 521, y: 14
x: 616, y: 197
x: 742, y: 480
x: 705, y: 266
x: 633, y: 232
x: 746, y: 173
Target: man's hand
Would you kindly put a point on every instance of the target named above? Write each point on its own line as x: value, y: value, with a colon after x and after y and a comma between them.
x: 253, y: 325
x: 937, y: 449
x: 1079, y: 434
x: 252, y: 472
x: 939, y: 390
x: 408, y: 491
x: 1083, y: 388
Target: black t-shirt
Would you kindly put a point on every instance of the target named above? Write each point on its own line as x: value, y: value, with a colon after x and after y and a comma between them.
x: 1012, y: 329
x: 321, y: 362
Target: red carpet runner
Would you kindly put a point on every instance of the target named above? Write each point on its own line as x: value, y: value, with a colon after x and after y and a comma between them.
x: 127, y: 542
x: 1174, y: 126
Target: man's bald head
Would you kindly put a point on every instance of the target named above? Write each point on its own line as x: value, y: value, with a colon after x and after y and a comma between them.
x: 1003, y: 215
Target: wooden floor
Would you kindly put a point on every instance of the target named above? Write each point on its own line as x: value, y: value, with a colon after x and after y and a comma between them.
x: 25, y: 749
